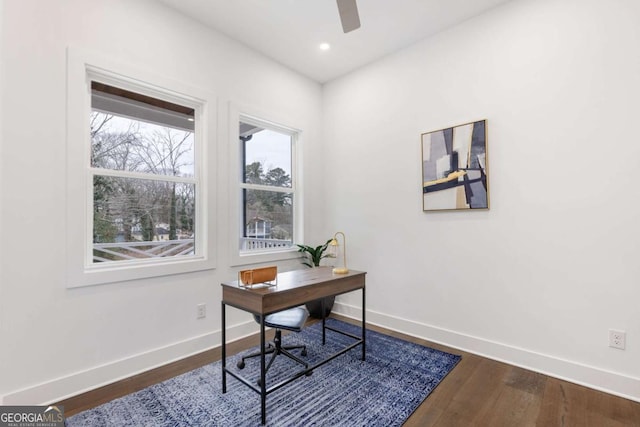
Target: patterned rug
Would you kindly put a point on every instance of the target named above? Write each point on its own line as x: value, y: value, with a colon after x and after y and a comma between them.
x: 381, y: 391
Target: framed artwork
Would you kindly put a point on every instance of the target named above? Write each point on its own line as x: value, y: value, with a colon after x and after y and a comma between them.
x: 454, y: 168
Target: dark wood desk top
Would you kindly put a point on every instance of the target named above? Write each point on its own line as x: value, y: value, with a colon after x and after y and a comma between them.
x: 293, y: 288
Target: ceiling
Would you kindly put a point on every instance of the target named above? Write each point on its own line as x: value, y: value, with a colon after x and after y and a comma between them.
x: 290, y: 31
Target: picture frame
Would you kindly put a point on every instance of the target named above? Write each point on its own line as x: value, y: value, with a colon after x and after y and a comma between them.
x: 455, y: 175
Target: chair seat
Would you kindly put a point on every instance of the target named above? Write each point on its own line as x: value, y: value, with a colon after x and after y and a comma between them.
x: 292, y: 319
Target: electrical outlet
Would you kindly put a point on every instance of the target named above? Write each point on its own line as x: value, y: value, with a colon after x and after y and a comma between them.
x: 617, y: 339
x: 201, y: 311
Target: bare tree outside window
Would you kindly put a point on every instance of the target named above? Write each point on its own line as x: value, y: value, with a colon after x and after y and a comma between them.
x: 143, y: 182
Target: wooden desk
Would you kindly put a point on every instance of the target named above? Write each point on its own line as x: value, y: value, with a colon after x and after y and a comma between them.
x: 293, y: 288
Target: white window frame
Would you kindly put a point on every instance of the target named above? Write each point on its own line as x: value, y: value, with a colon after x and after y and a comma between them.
x: 83, y: 67
x: 247, y: 115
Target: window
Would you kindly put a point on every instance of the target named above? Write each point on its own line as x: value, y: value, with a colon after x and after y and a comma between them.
x: 143, y: 175
x: 140, y: 177
x: 267, y: 187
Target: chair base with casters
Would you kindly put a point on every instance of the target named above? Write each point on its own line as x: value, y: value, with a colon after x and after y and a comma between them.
x: 292, y: 319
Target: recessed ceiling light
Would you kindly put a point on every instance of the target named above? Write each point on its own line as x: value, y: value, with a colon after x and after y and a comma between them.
x: 325, y: 46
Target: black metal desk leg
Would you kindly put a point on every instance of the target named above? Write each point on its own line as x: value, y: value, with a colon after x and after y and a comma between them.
x: 324, y: 317
x: 364, y: 334
x: 263, y: 376
x: 224, y: 349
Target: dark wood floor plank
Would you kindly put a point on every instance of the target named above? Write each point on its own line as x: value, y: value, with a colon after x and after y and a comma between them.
x: 517, y: 403
x: 428, y: 413
x: 602, y: 410
x: 479, y: 395
x: 477, y: 392
x: 554, y: 408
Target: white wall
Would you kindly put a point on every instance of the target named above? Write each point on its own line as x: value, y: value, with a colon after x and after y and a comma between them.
x: 539, y: 278
x: 57, y: 341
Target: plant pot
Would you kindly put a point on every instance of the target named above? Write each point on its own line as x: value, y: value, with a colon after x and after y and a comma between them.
x: 315, y: 307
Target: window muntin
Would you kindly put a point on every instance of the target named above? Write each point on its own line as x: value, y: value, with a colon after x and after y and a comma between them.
x: 267, y: 187
x: 142, y: 169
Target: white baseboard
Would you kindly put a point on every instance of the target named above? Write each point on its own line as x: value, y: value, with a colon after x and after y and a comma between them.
x: 64, y: 387
x: 599, y: 379
x: 91, y: 379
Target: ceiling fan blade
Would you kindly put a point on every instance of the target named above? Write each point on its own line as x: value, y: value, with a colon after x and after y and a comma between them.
x: 348, y: 10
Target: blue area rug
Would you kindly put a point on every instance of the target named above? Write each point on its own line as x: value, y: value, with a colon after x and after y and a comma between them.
x: 381, y: 391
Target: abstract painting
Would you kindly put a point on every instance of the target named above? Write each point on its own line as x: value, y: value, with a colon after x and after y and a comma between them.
x: 454, y: 168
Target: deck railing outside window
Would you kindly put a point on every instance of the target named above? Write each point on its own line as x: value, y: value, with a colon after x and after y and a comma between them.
x: 106, y: 252
x: 253, y: 244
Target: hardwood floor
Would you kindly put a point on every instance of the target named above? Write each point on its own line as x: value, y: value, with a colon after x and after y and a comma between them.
x: 477, y: 392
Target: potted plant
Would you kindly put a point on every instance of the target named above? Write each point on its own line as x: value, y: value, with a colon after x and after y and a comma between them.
x: 312, y: 257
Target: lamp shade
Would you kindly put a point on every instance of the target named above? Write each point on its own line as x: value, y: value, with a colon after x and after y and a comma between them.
x: 334, y: 245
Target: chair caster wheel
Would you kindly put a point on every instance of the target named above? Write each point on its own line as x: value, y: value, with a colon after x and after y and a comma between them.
x: 309, y: 373
x: 259, y: 382
x: 303, y: 352
x: 240, y: 364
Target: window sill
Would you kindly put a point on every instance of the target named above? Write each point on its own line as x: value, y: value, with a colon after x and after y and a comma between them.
x: 93, y: 275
